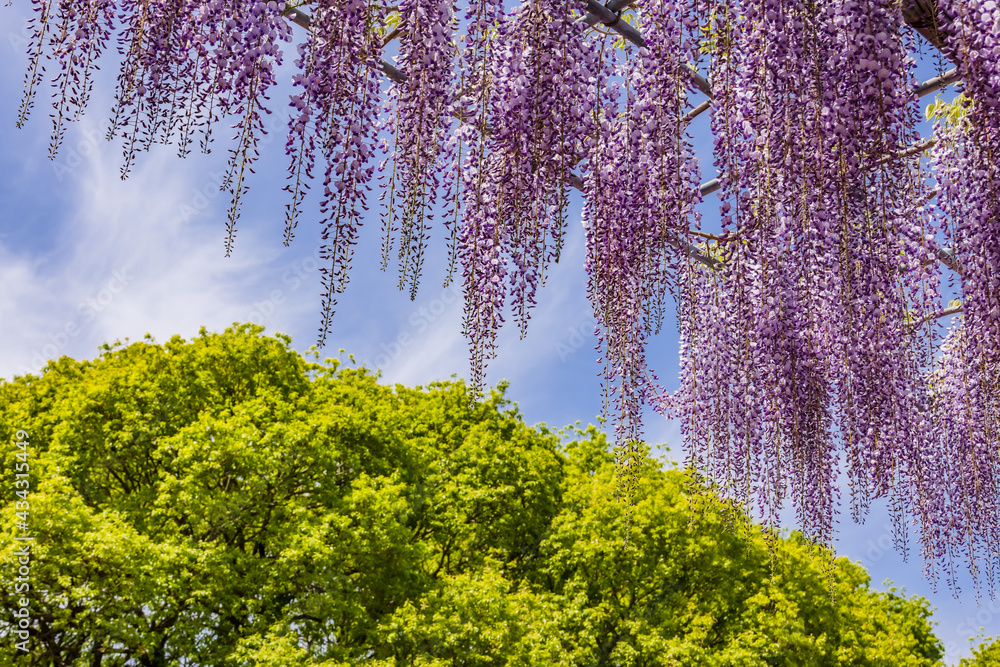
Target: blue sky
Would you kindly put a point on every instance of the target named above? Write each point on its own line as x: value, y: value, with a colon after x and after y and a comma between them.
x: 86, y: 258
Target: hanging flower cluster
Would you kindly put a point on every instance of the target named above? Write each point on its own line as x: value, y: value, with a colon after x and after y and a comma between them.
x: 971, y: 198
x: 77, y: 35
x: 335, y: 115
x: 809, y: 335
x: 641, y: 192
x: 970, y: 28
x: 472, y: 108
x: 184, y: 64
x: 420, y: 117
x: 965, y: 482
x: 516, y: 185
x: 887, y: 274
x: 965, y: 406
x: 965, y: 386
x: 807, y: 339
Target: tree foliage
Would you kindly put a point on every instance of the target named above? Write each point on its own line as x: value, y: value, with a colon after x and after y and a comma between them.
x: 223, y: 501
x: 986, y: 654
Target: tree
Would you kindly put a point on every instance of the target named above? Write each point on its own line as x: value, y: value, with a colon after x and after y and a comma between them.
x: 808, y: 323
x: 225, y: 502
x: 984, y: 655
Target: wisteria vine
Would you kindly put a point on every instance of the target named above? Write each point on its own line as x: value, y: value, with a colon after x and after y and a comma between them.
x: 641, y: 194
x: 810, y: 324
x: 335, y: 115
x: 419, y: 115
x: 516, y: 183
x: 825, y: 262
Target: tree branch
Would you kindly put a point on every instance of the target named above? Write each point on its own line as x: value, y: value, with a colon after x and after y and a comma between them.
x: 303, y: 20
x: 912, y: 150
x: 936, y: 315
x: 937, y: 83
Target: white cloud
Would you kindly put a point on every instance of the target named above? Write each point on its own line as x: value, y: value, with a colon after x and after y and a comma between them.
x: 125, y: 258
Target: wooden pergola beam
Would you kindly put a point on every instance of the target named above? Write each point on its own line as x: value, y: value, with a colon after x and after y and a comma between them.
x: 922, y: 16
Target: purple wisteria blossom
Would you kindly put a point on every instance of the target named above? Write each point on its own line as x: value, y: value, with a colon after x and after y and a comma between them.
x: 420, y: 119
x: 336, y: 115
x: 516, y: 184
x: 641, y: 192
x: 964, y: 386
x: 801, y: 351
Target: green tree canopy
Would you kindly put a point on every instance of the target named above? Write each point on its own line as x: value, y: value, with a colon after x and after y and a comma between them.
x: 987, y: 654
x: 225, y: 502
